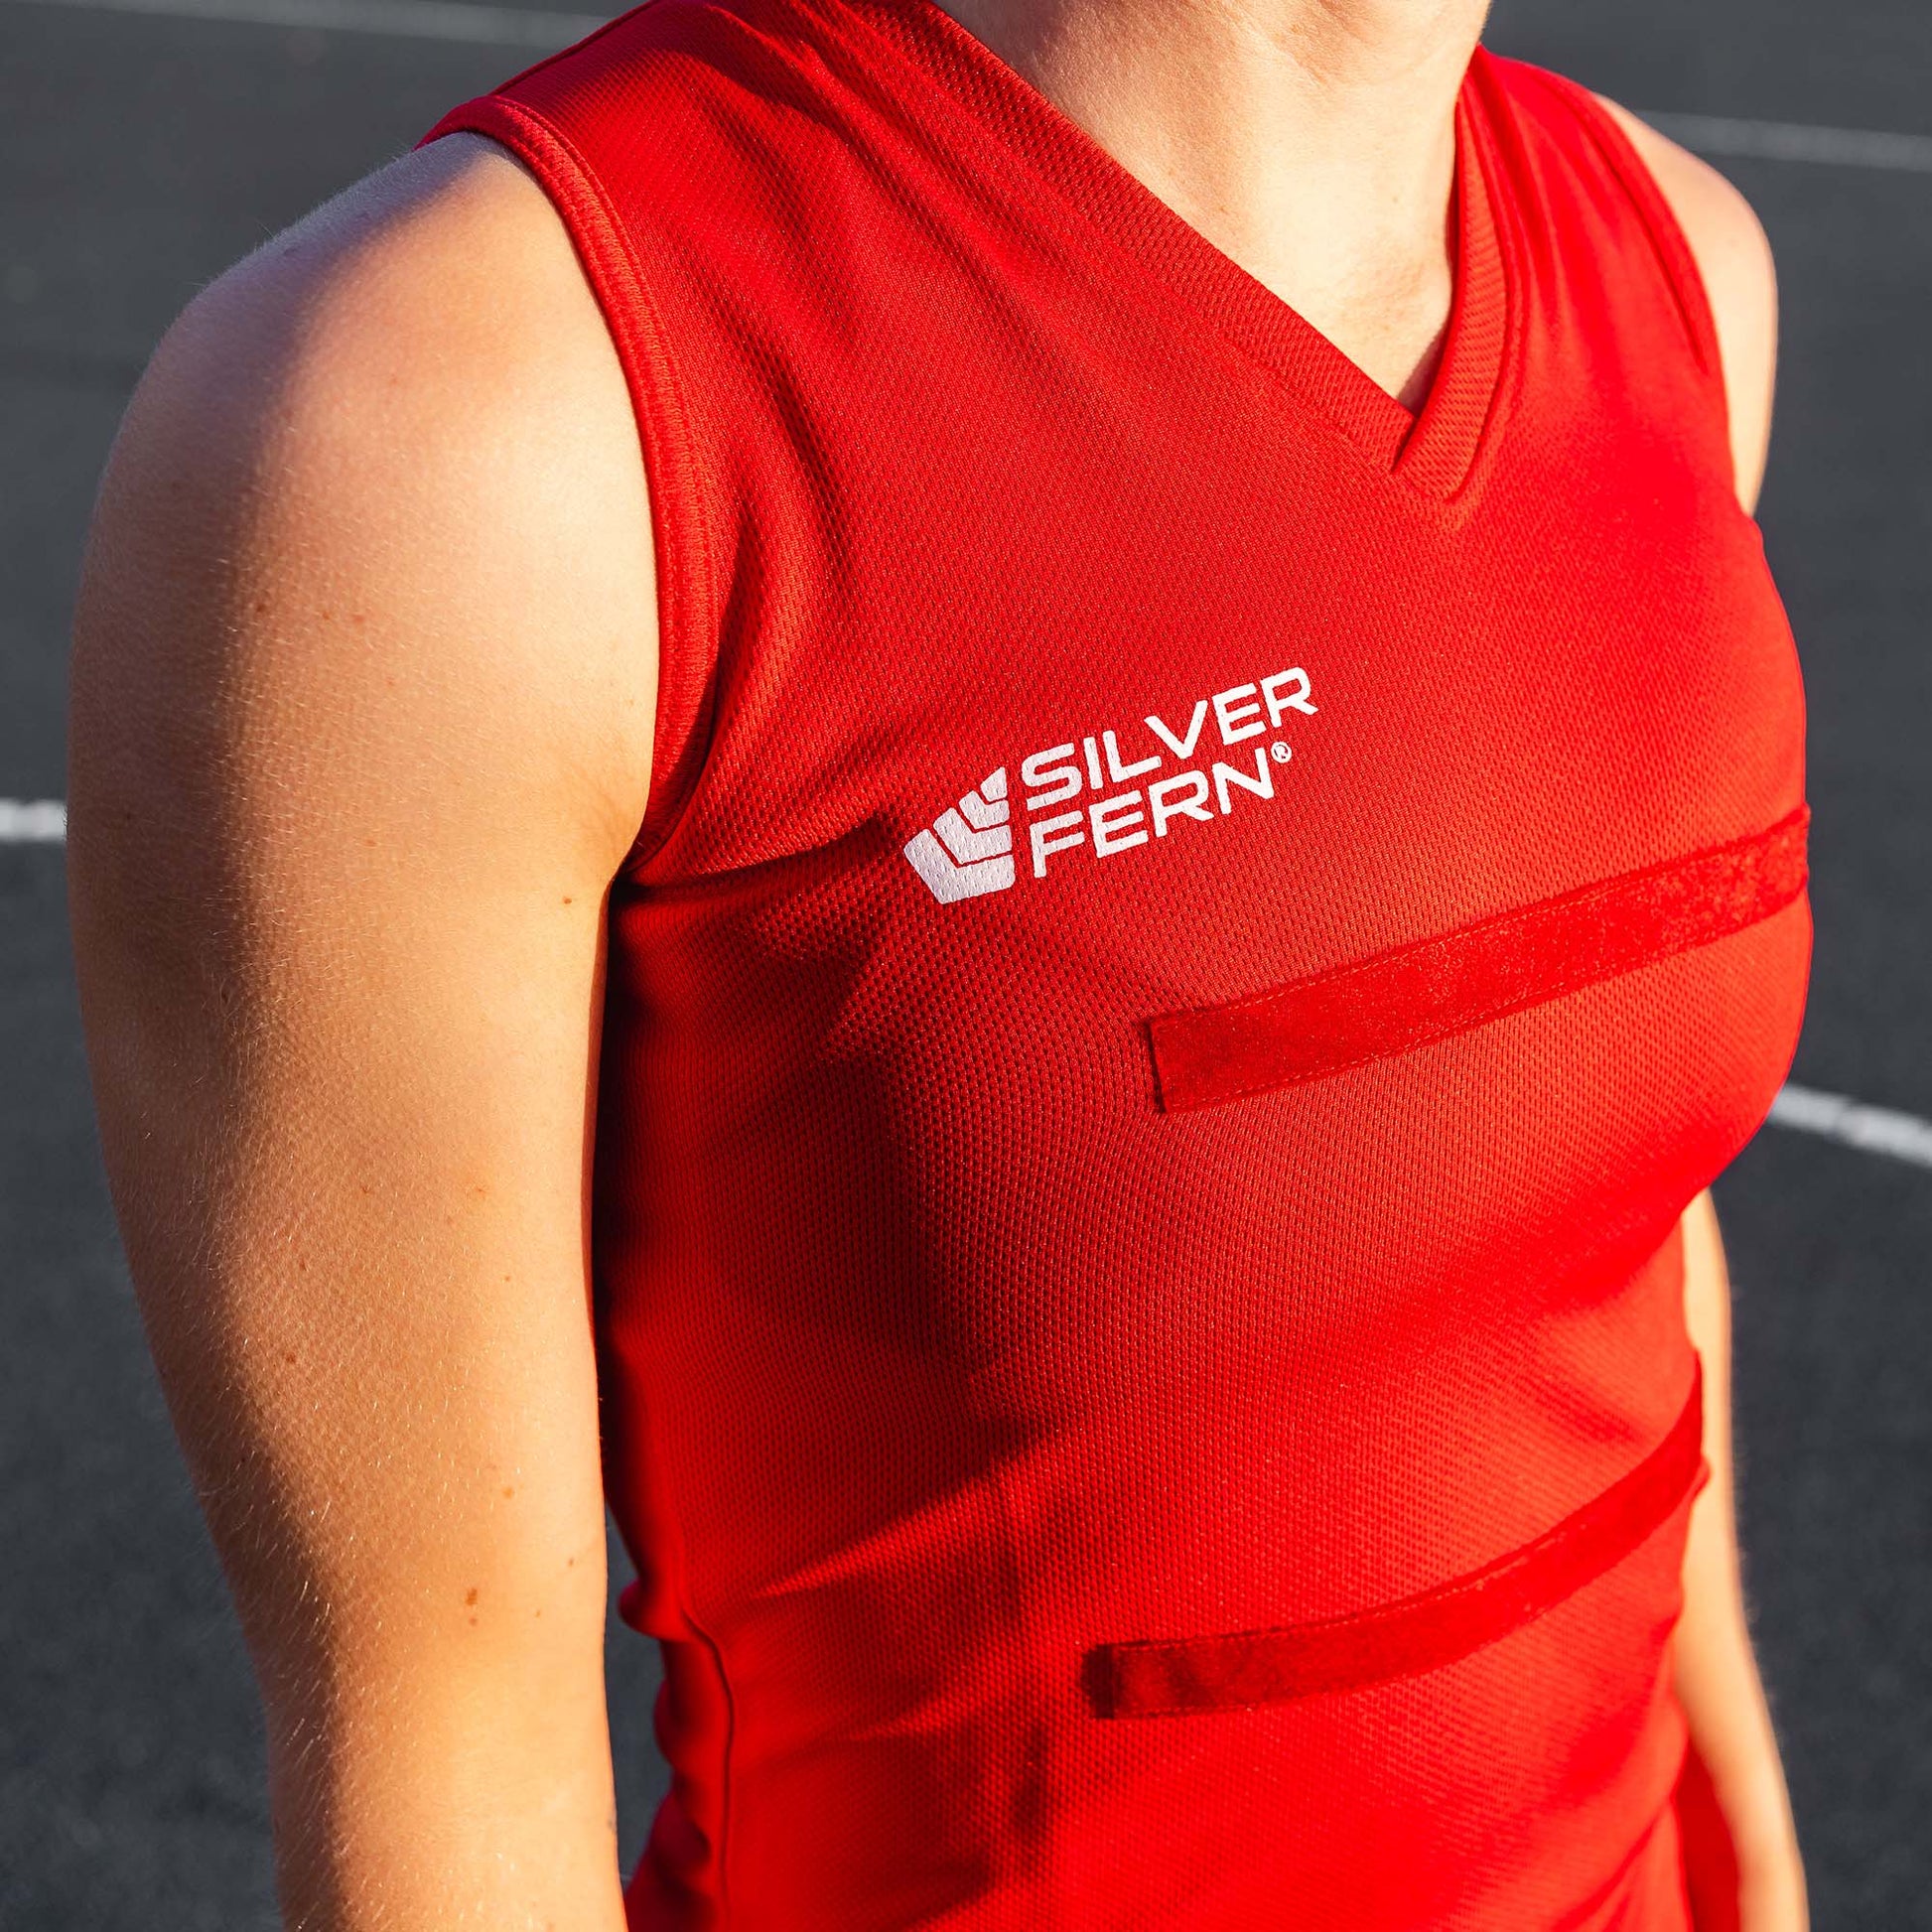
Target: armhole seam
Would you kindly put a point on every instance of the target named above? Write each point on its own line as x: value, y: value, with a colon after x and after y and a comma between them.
x: 681, y: 551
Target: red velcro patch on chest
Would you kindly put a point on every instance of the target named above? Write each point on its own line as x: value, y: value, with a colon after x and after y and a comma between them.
x: 1418, y: 1633
x: 1432, y: 988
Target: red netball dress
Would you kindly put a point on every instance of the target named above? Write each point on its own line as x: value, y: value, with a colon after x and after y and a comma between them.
x: 1193, y: 936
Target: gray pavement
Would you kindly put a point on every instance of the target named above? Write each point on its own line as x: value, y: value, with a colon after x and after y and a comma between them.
x: 140, y: 155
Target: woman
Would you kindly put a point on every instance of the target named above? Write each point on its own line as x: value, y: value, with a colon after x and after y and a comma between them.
x: 1170, y: 808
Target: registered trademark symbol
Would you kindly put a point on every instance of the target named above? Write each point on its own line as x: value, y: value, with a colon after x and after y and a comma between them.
x: 1279, y: 752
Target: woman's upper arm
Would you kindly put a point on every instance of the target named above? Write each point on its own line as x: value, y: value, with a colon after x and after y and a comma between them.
x: 363, y: 695
x: 1734, y: 259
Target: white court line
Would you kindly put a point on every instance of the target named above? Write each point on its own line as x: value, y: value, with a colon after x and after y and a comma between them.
x: 543, y: 33
x: 32, y: 821
x: 1871, y: 1130
x: 421, y: 20
x: 1833, y: 147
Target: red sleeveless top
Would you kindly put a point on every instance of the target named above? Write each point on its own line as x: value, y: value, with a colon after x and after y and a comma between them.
x: 1193, y: 936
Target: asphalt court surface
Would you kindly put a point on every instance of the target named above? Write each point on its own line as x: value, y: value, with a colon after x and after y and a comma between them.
x: 140, y: 153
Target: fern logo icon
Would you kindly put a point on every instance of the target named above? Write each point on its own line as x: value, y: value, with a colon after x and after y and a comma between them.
x: 969, y: 849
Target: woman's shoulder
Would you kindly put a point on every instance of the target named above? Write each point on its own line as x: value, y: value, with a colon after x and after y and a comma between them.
x: 408, y: 402
x: 1733, y: 260
x: 1706, y: 230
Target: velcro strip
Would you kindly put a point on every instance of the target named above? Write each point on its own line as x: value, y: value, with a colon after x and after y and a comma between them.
x: 1431, y: 989
x: 1418, y: 1633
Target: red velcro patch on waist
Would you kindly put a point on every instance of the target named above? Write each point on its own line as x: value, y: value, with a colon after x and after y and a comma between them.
x: 1432, y: 988
x: 1418, y: 1633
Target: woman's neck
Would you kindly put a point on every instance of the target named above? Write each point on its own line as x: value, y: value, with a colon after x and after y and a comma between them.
x: 1312, y: 141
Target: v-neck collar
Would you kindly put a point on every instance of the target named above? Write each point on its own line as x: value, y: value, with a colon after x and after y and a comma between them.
x: 1433, y: 449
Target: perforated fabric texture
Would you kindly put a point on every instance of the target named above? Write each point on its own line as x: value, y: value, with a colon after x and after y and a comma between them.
x: 1057, y: 634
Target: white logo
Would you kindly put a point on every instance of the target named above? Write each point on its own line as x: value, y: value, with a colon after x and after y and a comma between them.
x: 973, y: 851
x: 969, y: 849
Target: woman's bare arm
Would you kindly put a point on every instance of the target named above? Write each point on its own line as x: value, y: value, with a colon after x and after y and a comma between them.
x: 1717, y: 1684
x: 362, y: 698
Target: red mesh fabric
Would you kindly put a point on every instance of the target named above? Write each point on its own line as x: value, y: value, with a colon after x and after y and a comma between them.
x: 1152, y: 1679
x: 1057, y: 631
x: 1436, y: 987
